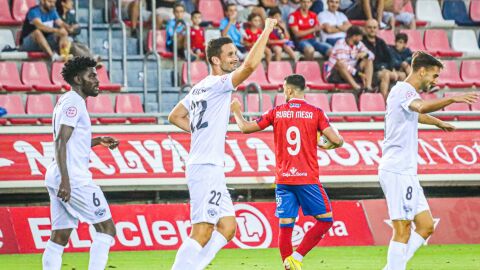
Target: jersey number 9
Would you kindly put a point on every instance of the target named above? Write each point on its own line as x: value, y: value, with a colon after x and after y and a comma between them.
x: 295, y: 142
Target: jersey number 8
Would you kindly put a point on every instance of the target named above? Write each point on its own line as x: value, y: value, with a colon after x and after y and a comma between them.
x: 295, y: 142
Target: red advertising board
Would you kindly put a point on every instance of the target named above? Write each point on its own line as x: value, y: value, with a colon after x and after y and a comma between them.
x: 162, y: 155
x: 164, y: 226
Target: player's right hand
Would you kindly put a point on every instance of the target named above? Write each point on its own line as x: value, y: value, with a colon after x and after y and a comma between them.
x: 469, y: 98
x: 64, y: 191
x: 270, y: 24
x: 235, y: 106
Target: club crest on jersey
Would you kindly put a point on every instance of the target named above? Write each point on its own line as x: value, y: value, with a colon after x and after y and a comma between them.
x: 294, y: 105
x: 212, y: 212
x: 311, y: 21
x: 71, y: 112
x: 410, y: 94
x: 100, y: 212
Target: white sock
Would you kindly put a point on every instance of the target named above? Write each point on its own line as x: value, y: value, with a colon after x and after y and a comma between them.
x: 397, y: 256
x: 52, y: 256
x: 297, y: 256
x: 187, y: 255
x: 99, y: 251
x: 415, y: 242
x: 217, y: 242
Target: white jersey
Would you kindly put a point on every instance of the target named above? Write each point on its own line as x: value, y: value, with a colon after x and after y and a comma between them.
x: 208, y: 104
x: 71, y: 110
x: 400, y: 146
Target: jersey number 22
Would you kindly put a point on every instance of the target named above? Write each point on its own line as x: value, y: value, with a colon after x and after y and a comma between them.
x: 198, y: 108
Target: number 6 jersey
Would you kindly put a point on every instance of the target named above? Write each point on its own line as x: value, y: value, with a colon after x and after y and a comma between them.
x: 295, y: 127
x: 208, y: 105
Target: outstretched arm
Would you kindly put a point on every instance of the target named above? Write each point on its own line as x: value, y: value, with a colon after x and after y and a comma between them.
x: 428, y: 106
x: 430, y: 120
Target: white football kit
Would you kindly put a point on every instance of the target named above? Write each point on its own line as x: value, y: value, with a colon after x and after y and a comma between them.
x: 398, y: 166
x: 208, y: 104
x: 87, y: 202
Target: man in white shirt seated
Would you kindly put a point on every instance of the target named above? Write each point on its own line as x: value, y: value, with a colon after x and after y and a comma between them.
x: 334, y: 23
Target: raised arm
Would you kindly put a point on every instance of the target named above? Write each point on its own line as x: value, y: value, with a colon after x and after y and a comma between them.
x: 245, y: 126
x: 255, y: 55
x: 179, y: 117
x: 428, y: 106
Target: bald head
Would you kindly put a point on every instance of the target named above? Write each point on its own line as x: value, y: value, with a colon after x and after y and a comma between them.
x: 371, y: 28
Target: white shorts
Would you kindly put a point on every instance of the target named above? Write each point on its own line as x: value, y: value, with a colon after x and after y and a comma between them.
x: 404, y: 18
x: 87, y: 204
x: 404, y: 195
x: 209, y: 197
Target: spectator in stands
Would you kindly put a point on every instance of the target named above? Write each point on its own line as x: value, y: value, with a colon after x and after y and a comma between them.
x: 252, y: 33
x: 280, y: 38
x: 304, y: 24
x: 178, y: 13
x: 197, y: 36
x: 383, y: 64
x: 44, y: 30
x: 401, y: 54
x: 246, y: 7
x: 393, y: 8
x: 334, y: 23
x: 230, y: 27
x: 131, y: 11
x: 287, y: 7
x: 164, y: 10
x: 369, y: 9
x: 351, y: 61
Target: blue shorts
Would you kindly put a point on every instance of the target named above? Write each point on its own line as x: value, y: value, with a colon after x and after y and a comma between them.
x: 321, y: 47
x: 312, y: 198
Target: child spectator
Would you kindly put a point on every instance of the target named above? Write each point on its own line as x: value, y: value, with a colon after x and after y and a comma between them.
x: 197, y: 36
x: 401, y: 54
x: 178, y: 12
x: 252, y: 33
x: 230, y: 27
x: 279, y: 38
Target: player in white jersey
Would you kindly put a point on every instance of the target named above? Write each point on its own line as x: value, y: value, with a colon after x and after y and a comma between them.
x: 73, y: 194
x: 205, y: 112
x: 398, y: 167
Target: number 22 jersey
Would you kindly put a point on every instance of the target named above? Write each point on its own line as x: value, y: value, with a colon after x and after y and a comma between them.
x: 208, y: 105
x: 295, y: 127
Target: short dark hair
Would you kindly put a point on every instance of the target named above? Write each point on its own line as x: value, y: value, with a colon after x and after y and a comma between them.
x: 75, y: 66
x: 296, y: 80
x: 354, y: 31
x: 229, y: 5
x: 423, y: 59
x: 274, y: 11
x: 252, y: 15
x: 195, y: 12
x: 401, y: 36
x: 178, y: 4
x: 214, y: 47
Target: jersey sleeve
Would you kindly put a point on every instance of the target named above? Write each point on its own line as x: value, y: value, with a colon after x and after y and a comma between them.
x: 408, y: 97
x: 226, y: 84
x: 323, y: 121
x: 70, y: 114
x: 33, y: 14
x: 292, y: 20
x: 266, y: 119
x: 186, y: 101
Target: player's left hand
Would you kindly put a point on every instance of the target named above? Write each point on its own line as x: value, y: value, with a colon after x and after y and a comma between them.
x: 235, y: 106
x: 446, y: 126
x: 109, y: 142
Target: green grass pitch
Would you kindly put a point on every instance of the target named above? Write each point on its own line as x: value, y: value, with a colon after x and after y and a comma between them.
x: 435, y: 257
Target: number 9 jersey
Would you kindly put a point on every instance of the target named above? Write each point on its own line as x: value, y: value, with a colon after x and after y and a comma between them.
x: 295, y: 126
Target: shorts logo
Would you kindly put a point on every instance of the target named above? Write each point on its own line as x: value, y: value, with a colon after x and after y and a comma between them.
x: 71, y: 112
x: 212, y: 212
x: 278, y: 200
x: 100, y: 212
x: 407, y: 208
x: 254, y: 229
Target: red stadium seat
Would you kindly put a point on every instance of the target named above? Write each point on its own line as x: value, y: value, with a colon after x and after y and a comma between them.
x: 259, y: 77
x: 5, y: 16
x: 345, y: 102
x: 105, y: 83
x: 453, y: 107
x: 56, y: 75
x: 212, y: 11
x: 436, y: 42
x: 370, y: 102
x: 428, y: 96
x: 36, y: 74
x: 313, y: 75
x: 20, y: 9
x: 14, y: 105
x: 130, y: 103
x: 279, y: 99
x: 388, y: 36
x: 449, y: 76
x: 161, y: 43
x: 198, y: 71
x: 40, y: 104
x: 253, y: 103
x: 10, y: 79
x: 475, y: 10
x: 103, y: 104
x: 318, y: 100
x: 277, y: 71
x: 475, y: 107
x: 470, y: 71
x: 415, y: 40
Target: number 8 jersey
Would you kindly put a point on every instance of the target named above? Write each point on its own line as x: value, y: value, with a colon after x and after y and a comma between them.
x: 295, y: 127
x: 208, y: 105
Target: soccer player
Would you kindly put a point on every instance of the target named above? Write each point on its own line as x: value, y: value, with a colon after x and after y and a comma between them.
x: 295, y: 127
x: 398, y: 167
x: 73, y: 194
x: 205, y: 113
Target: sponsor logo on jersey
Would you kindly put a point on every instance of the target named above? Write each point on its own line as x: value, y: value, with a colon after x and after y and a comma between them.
x: 100, y: 212
x: 294, y: 105
x: 71, y: 112
x: 212, y: 212
x: 294, y: 172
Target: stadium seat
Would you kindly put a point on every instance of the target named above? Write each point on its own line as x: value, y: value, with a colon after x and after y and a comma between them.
x: 388, y: 36
x: 415, y: 40
x: 253, y: 103
x: 10, y: 79
x: 277, y: 71
x: 130, y: 103
x: 40, y: 104
x: 453, y: 107
x: 258, y: 76
x: 428, y: 96
x: 409, y: 8
x: 212, y: 11
x: 465, y: 41
x: 56, y: 75
x: 20, y: 9
x: 345, y: 102
x: 457, y: 11
x: 475, y: 107
x: 429, y: 11
x: 279, y: 99
x: 103, y: 104
x: 36, y: 74
x: 198, y: 71
x: 105, y: 83
x: 26, y: 55
x: 313, y: 75
x: 14, y: 105
x: 475, y: 10
x: 372, y: 102
x: 470, y: 71
x: 450, y: 76
x: 436, y: 42
x: 318, y: 100
x: 161, y: 43
x: 5, y: 16
x: 6, y: 39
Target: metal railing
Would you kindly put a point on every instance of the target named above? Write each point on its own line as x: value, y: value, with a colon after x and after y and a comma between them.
x: 178, y: 24
x: 111, y: 23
